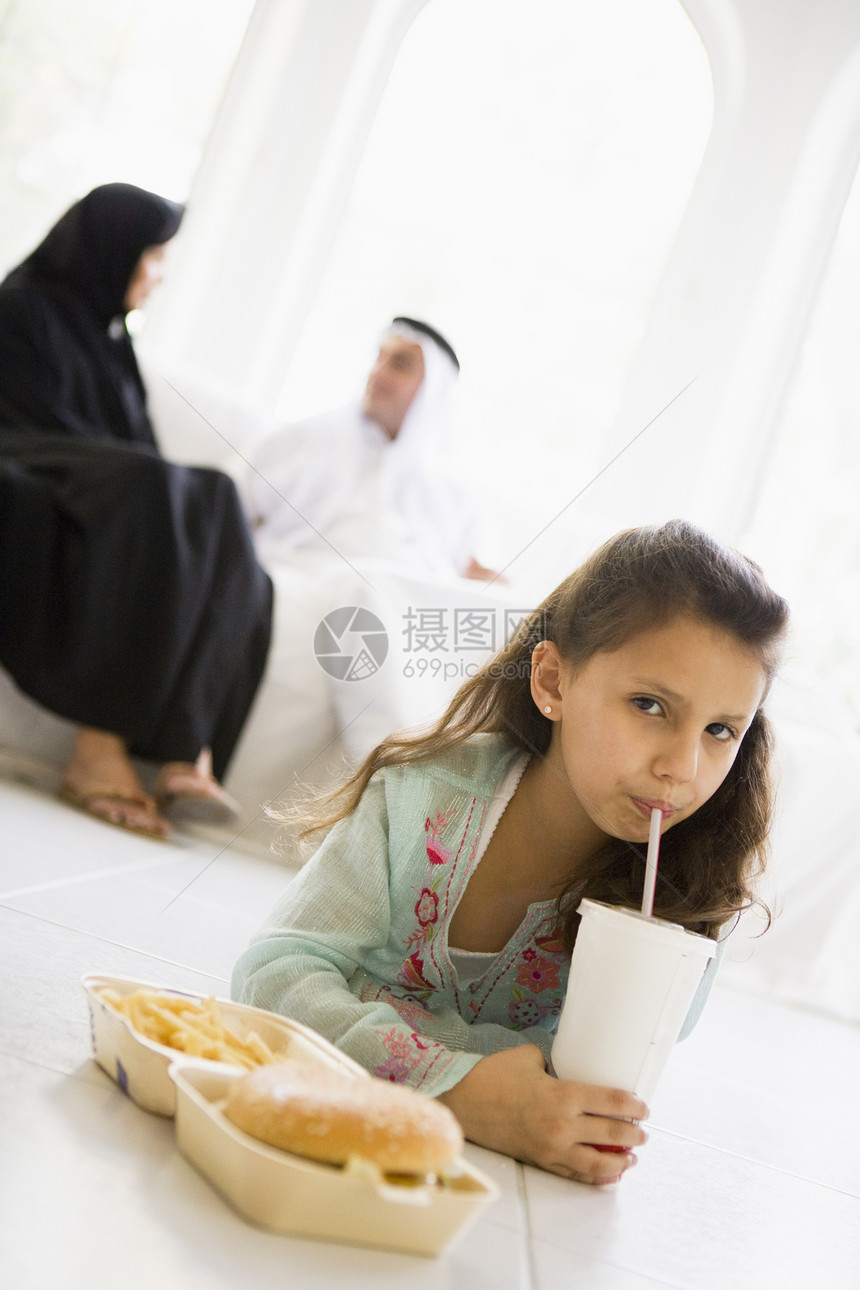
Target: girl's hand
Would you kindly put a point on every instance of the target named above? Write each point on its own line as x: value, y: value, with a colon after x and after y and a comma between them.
x: 509, y: 1103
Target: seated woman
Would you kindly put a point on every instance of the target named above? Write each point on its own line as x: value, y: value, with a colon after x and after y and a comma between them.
x: 131, y: 601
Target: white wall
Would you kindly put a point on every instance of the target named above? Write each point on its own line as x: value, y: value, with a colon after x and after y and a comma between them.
x: 737, y: 292
x: 731, y: 308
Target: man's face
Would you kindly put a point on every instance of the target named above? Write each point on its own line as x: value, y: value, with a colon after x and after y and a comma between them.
x: 393, y: 383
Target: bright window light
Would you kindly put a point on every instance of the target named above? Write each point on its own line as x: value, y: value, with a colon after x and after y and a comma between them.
x: 521, y: 188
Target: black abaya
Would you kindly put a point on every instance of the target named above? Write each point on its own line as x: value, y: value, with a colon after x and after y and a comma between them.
x: 130, y: 597
x: 132, y: 601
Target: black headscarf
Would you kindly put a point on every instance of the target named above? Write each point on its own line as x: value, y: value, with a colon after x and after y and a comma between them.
x: 66, y: 359
x: 94, y: 248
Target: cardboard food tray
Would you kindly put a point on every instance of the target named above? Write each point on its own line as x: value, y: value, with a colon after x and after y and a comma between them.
x: 299, y: 1197
x: 140, y: 1065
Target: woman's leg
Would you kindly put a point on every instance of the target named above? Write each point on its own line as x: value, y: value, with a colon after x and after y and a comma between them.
x: 189, y: 791
x: 102, y: 781
x: 133, y: 601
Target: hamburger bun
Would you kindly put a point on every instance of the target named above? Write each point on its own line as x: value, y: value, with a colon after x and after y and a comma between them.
x: 330, y: 1116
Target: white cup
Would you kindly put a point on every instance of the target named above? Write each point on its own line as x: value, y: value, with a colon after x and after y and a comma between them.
x: 632, y: 980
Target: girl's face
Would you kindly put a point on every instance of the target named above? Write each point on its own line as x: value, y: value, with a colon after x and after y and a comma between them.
x: 657, y: 722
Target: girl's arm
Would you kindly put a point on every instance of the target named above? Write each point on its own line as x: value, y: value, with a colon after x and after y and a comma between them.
x: 307, y: 963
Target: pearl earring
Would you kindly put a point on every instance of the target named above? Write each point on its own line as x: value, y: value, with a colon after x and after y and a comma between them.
x: 547, y: 710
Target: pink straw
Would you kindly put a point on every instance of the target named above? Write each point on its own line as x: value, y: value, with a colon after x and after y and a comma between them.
x: 651, y: 861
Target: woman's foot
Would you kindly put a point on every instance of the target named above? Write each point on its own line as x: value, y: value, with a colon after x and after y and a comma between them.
x: 101, y: 780
x: 188, y: 791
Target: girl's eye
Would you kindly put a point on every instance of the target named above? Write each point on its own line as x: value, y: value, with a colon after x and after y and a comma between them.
x: 644, y: 704
x: 721, y: 732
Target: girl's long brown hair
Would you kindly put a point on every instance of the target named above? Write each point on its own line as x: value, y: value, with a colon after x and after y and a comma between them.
x: 639, y: 579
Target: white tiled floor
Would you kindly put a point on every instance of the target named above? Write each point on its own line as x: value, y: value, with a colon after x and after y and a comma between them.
x: 751, y: 1179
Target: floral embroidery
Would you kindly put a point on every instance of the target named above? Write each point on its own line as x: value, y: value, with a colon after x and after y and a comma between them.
x: 524, y: 1013
x: 537, y: 972
x: 408, y: 1007
x: 551, y: 944
x: 394, y: 1070
x: 537, y: 992
x: 436, y: 852
x: 398, y: 1044
x: 411, y: 974
x: 411, y: 1011
x: 421, y: 971
x: 405, y: 1052
x: 412, y: 970
x: 427, y: 907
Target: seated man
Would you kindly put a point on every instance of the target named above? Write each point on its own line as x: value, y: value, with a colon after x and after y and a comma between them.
x: 370, y: 479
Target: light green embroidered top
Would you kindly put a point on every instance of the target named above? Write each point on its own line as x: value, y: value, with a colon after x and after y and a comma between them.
x: 357, y: 947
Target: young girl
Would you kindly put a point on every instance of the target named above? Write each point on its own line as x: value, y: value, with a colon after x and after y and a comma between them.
x: 430, y: 935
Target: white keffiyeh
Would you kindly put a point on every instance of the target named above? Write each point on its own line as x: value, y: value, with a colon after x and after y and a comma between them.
x: 338, y: 483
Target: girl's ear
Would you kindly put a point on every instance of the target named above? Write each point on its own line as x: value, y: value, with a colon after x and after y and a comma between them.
x: 546, y: 679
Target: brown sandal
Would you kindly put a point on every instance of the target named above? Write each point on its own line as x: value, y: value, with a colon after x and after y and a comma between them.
x: 184, y: 793
x: 88, y: 800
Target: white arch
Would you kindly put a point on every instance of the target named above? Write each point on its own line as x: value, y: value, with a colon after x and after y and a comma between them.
x: 271, y: 188
x: 746, y: 264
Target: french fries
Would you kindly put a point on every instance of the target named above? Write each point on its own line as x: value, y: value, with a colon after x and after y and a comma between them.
x: 193, y: 1028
